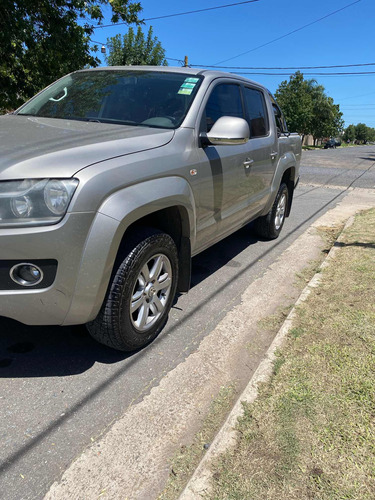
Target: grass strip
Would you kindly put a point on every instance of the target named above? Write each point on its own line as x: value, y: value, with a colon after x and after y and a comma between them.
x: 187, y: 458
x: 311, y: 432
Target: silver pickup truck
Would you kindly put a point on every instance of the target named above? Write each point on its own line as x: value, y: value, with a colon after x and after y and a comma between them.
x: 111, y: 179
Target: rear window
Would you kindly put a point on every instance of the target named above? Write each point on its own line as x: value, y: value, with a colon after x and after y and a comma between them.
x: 144, y: 98
x: 256, y: 111
x: 279, y: 117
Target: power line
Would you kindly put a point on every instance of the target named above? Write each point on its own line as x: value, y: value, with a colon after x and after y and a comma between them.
x: 362, y: 104
x: 171, y: 59
x: 355, y: 96
x: 311, y: 74
x: 290, y: 33
x: 269, y: 68
x: 360, y: 73
x: 180, y: 61
x: 99, y: 43
x: 180, y: 13
x: 293, y: 68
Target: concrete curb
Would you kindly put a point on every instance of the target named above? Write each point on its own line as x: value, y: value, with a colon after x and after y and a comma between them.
x: 199, y: 484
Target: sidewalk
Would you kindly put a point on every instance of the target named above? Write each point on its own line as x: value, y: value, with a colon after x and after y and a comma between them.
x: 311, y: 431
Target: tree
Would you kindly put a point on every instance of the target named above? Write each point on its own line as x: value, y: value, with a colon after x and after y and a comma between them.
x: 371, y: 134
x: 41, y: 40
x: 136, y: 50
x: 349, y: 134
x: 294, y: 98
x: 327, y: 118
x: 361, y: 132
x: 307, y: 108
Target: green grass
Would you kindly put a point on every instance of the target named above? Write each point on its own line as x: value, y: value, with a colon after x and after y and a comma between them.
x: 311, y: 432
x: 187, y: 458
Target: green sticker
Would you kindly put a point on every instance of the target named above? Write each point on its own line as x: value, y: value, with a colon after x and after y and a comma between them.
x: 185, y: 91
x: 188, y: 85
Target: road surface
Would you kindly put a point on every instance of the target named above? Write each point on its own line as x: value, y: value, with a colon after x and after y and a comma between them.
x: 59, y: 390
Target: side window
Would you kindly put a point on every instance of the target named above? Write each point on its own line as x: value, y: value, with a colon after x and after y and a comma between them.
x: 225, y: 100
x: 256, y: 111
x: 279, y: 117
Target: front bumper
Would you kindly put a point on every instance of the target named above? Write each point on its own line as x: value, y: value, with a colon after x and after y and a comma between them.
x: 66, y: 243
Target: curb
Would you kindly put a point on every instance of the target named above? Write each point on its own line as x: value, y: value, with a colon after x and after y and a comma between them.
x: 199, y: 484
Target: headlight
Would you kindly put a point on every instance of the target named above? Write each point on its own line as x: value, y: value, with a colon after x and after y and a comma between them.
x: 34, y: 202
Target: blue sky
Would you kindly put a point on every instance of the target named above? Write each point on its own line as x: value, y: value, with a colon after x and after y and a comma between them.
x: 208, y: 38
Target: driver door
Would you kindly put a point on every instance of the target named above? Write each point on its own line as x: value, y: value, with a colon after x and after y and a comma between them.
x: 222, y: 204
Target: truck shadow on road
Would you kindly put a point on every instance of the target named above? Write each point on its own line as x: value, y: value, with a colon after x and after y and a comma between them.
x: 35, y: 351
x: 221, y: 255
x: 47, y: 351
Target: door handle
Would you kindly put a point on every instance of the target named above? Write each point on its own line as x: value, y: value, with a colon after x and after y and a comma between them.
x: 274, y: 154
x: 248, y: 162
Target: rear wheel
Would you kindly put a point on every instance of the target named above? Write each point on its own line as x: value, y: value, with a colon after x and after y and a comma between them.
x: 269, y: 226
x: 140, y: 295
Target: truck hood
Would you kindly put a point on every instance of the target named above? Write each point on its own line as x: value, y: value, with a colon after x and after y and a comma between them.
x: 48, y: 147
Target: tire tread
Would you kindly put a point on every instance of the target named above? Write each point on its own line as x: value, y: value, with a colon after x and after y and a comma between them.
x: 105, y: 328
x: 265, y: 225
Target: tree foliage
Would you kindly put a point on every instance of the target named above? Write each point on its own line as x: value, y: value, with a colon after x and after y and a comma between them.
x: 349, y: 134
x: 41, y: 40
x: 135, y: 49
x: 294, y: 98
x: 307, y: 108
x: 370, y: 134
x: 359, y: 133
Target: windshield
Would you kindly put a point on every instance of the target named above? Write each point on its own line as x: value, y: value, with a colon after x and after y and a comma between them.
x: 123, y: 97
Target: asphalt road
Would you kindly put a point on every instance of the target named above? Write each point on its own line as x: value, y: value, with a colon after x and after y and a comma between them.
x: 59, y: 389
x: 343, y: 167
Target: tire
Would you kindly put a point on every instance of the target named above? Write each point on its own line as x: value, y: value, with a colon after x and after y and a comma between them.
x: 140, y: 294
x: 269, y: 226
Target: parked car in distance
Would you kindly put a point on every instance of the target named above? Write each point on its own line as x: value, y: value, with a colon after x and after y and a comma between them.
x: 332, y: 143
x: 111, y: 179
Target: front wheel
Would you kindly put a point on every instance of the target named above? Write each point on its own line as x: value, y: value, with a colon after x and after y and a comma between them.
x: 140, y: 295
x: 269, y: 226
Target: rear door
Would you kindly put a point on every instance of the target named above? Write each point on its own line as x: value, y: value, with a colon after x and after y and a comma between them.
x: 257, y: 174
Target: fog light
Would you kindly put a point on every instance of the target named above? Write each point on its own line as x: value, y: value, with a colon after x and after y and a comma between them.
x: 26, y: 274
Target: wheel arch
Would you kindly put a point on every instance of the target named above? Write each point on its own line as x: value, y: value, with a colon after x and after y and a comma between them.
x: 288, y: 178
x: 285, y: 172
x: 172, y: 220
x: 165, y: 204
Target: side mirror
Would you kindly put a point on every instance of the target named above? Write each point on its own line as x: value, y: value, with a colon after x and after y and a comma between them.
x: 227, y: 131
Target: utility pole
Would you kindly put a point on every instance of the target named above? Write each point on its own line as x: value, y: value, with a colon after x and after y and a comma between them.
x: 186, y: 62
